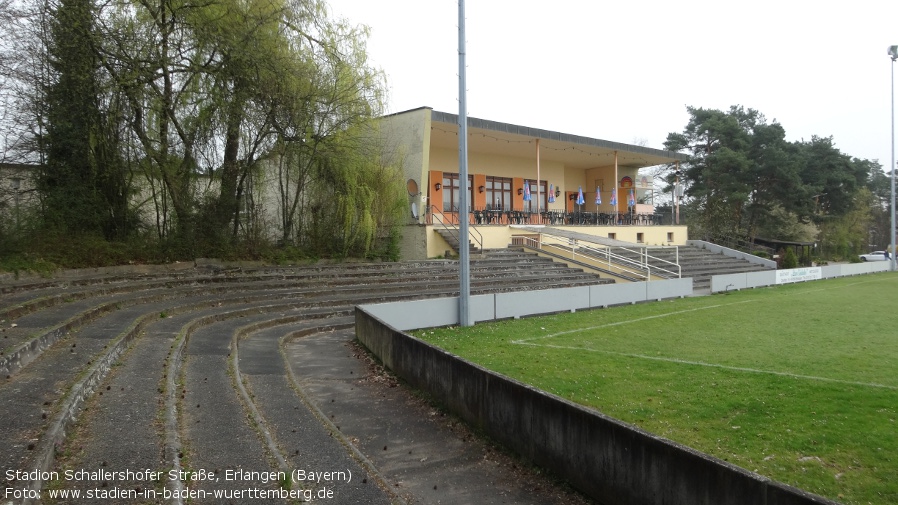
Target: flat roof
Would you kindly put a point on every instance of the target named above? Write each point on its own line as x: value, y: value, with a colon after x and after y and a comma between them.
x: 574, y: 151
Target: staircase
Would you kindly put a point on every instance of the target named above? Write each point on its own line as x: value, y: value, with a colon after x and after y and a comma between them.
x: 452, y: 239
x: 531, y: 269
x: 700, y: 264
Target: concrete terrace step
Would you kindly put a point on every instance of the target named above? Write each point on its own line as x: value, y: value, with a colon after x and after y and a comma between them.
x: 437, y: 459
x: 299, y: 285
x: 284, y: 286
x: 277, y: 406
x: 700, y: 264
x: 153, y: 346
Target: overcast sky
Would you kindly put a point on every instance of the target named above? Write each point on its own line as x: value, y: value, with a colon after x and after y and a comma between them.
x: 625, y: 71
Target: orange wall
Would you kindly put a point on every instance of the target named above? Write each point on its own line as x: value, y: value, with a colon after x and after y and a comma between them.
x: 435, y: 197
x: 516, y: 199
x: 479, y: 198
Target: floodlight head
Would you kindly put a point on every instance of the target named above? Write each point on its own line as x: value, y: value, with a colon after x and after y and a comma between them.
x: 893, y: 52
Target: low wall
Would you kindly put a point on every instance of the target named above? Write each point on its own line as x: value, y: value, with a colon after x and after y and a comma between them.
x: 730, y: 282
x: 444, y: 311
x: 610, y: 461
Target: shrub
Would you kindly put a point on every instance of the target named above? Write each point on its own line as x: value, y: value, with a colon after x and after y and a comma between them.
x: 789, y: 259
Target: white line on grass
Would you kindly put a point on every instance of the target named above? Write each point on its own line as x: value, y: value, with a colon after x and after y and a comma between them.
x: 714, y: 365
x: 628, y: 321
x: 528, y: 341
x: 578, y: 330
x: 827, y: 288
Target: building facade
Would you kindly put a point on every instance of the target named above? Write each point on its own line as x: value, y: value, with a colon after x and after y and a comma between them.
x: 521, y: 177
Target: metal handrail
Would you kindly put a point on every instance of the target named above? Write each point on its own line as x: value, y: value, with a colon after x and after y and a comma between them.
x: 640, y: 268
x: 571, y: 248
x: 643, y: 254
x: 614, y: 260
x: 454, y: 230
x: 538, y: 245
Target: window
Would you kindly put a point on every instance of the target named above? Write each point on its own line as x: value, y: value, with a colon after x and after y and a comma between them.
x: 670, y: 236
x: 640, y: 238
x: 646, y: 196
x: 498, y: 193
x: 451, y: 195
x: 612, y: 236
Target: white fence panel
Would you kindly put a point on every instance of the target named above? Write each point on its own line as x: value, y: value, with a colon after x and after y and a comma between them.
x: 525, y: 303
x: 730, y: 282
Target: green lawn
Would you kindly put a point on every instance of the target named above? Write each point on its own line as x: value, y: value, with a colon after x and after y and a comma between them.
x: 797, y: 382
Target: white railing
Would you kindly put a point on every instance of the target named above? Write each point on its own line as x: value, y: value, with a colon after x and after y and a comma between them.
x: 641, y: 268
x: 644, y: 257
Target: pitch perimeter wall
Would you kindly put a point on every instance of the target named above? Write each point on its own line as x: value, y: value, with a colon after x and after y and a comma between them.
x: 607, y: 459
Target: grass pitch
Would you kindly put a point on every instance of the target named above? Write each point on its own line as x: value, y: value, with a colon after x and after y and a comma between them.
x: 796, y: 382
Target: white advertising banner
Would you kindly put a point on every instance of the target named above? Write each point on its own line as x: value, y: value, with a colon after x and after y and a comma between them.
x: 798, y: 275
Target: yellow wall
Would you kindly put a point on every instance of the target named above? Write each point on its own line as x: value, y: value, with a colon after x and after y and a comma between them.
x: 408, y: 136
x: 651, y: 235
x: 499, y: 237
x: 494, y: 237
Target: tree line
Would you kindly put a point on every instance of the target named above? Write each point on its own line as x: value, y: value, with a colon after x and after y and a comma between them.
x: 199, y: 128
x: 240, y: 127
x: 744, y: 181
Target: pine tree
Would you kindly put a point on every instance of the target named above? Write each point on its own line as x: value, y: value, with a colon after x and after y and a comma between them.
x: 82, y: 184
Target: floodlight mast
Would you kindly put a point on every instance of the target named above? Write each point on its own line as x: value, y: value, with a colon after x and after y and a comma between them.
x: 464, y: 265
x: 893, y: 53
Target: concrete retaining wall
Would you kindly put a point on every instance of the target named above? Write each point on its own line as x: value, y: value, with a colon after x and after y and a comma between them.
x: 611, y: 461
x: 444, y: 311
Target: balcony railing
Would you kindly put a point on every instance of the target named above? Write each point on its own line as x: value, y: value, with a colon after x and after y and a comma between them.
x: 499, y: 216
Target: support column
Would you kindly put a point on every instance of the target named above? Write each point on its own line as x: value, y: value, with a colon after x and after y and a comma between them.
x: 677, y: 196
x: 615, y: 188
x: 538, y: 200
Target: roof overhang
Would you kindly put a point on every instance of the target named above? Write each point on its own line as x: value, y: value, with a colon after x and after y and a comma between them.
x: 504, y: 139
